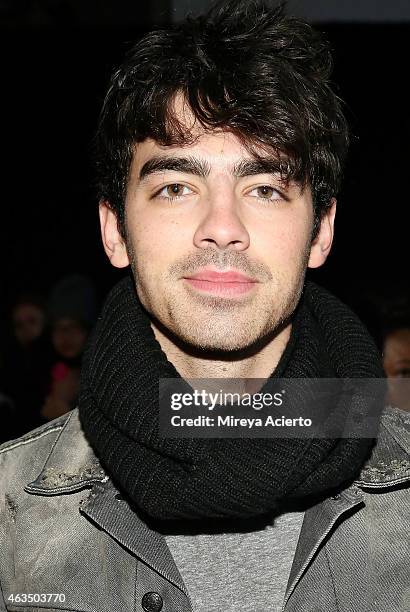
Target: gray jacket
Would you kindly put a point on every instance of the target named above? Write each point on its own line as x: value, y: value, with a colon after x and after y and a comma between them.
x: 68, y: 540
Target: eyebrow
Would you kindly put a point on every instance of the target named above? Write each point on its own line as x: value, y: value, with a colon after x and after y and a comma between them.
x: 267, y: 165
x: 200, y: 167
x: 190, y: 165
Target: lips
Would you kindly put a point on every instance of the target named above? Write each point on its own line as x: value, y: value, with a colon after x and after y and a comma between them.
x: 212, y: 276
x: 224, y: 284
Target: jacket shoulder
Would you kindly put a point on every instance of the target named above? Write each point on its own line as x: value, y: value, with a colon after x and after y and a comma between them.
x: 22, y: 458
x: 389, y: 464
x: 34, y: 434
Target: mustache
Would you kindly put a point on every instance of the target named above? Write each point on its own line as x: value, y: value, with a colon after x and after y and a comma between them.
x: 221, y: 260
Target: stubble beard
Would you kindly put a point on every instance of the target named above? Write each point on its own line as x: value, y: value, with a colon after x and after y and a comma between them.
x: 221, y: 325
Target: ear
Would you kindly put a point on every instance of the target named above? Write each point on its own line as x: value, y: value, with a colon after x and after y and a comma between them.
x: 113, y: 242
x: 322, y: 244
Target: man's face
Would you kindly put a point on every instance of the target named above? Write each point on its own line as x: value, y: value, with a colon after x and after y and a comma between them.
x: 28, y: 321
x: 69, y: 337
x: 206, y: 208
x: 396, y: 362
x: 396, y: 353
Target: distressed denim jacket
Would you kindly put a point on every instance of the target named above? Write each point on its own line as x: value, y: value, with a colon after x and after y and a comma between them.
x: 68, y: 541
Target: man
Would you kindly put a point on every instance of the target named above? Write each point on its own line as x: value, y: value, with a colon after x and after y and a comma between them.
x: 395, y: 340
x: 220, y: 148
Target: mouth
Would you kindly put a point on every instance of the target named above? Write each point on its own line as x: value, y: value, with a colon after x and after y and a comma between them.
x: 225, y: 284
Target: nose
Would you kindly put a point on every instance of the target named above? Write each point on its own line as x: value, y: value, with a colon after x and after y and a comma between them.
x: 222, y: 226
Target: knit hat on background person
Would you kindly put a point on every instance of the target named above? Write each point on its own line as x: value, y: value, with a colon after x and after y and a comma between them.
x: 73, y: 297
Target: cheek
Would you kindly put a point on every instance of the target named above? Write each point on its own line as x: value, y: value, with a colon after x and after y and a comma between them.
x: 59, y: 344
x: 285, y: 243
x: 156, y: 242
x: 80, y: 340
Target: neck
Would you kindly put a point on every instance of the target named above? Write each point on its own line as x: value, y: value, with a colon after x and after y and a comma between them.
x: 254, y: 362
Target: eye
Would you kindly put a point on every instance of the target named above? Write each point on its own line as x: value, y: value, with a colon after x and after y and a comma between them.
x: 403, y: 373
x: 173, y: 191
x: 266, y: 192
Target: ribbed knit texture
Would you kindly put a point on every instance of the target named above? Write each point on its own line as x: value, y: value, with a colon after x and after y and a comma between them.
x: 215, y: 478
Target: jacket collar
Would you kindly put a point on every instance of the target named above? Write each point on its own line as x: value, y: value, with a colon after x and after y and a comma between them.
x: 71, y: 464
x: 389, y: 464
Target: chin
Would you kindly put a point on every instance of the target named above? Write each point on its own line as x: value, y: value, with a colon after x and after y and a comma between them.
x: 223, y: 344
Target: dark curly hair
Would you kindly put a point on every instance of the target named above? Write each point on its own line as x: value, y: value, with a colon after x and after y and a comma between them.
x: 245, y: 67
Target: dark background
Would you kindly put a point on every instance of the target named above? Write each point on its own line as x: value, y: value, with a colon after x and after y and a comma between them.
x: 55, y: 61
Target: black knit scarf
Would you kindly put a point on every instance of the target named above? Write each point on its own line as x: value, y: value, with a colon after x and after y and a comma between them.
x: 214, y: 478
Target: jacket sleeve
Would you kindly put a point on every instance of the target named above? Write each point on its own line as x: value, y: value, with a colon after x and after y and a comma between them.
x: 2, y: 602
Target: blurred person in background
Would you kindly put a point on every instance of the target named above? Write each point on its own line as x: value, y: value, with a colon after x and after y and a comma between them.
x: 396, y: 358
x: 24, y: 372
x: 71, y: 310
x: 29, y: 320
x: 386, y: 314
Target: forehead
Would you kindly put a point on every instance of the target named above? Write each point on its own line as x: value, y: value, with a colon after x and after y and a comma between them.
x: 398, y: 342
x: 66, y: 324
x: 220, y: 148
x: 26, y: 309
